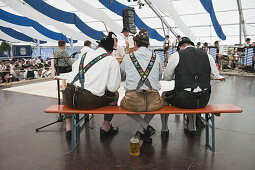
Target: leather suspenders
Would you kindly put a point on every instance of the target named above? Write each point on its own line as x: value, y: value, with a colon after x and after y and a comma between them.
x: 143, y: 74
x: 82, y: 70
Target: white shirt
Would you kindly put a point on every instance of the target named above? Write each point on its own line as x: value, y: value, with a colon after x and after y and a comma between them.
x: 84, y: 50
x: 120, y: 52
x: 130, y: 41
x: 173, y: 61
x: 128, y: 70
x: 104, y: 75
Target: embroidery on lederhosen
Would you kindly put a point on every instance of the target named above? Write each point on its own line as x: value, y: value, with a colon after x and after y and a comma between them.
x: 82, y: 70
x: 143, y: 74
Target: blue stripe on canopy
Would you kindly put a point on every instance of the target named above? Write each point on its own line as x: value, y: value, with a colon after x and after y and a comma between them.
x: 207, y: 4
x: 24, y: 21
x: 66, y: 17
x: 117, y: 8
x: 18, y: 35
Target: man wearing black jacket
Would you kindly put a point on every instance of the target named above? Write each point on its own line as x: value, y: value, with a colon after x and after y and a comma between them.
x: 192, y: 70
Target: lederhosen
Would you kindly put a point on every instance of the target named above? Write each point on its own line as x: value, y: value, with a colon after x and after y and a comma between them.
x: 127, y: 102
x: 80, y: 98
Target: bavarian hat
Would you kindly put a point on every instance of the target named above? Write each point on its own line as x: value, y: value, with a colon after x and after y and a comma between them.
x: 182, y: 41
x: 142, y: 37
x: 107, y: 42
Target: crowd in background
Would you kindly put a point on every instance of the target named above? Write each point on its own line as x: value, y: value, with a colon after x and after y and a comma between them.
x: 24, y: 69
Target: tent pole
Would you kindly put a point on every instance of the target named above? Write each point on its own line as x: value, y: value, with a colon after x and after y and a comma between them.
x: 160, y: 17
x: 71, y: 43
x: 241, y: 22
x: 38, y: 48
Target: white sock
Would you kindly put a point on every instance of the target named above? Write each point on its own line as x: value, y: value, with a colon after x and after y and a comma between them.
x: 164, y: 121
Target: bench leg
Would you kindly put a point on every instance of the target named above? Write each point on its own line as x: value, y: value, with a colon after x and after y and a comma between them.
x: 207, y: 126
x: 72, y: 139
x: 207, y: 130
x: 76, y: 129
x: 213, y: 133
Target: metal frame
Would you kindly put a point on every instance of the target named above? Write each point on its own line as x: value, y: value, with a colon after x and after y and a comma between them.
x: 207, y: 125
x: 77, y: 129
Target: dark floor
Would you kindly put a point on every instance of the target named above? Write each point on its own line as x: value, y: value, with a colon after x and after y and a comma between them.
x: 22, y: 148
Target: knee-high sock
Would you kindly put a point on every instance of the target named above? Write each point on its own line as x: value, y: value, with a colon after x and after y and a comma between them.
x: 164, y: 121
x: 192, y: 122
x: 148, y: 117
x: 139, y: 119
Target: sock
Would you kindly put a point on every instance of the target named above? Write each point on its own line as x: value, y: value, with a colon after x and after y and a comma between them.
x: 192, y: 122
x: 148, y: 117
x: 139, y: 119
x: 164, y: 121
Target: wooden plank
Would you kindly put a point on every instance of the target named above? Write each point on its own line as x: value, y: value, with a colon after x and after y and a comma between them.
x: 216, y: 108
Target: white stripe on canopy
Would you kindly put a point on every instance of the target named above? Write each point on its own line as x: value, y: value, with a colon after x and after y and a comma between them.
x: 96, y: 13
x: 31, y: 13
x: 29, y: 31
x: 168, y: 7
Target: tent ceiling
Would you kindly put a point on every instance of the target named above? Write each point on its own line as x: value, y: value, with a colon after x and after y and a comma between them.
x: 190, y: 11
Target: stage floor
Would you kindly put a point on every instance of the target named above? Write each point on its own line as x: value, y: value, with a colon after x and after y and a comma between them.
x: 22, y: 110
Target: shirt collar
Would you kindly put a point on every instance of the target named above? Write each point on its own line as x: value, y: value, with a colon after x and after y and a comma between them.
x: 142, y: 49
x: 189, y: 46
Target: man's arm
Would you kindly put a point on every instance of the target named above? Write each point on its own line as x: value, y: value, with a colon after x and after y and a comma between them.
x: 113, y: 83
x: 214, y: 70
x: 173, y: 61
x: 122, y: 68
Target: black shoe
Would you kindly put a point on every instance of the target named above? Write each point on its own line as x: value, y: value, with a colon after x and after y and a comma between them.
x: 149, y: 130
x: 165, y: 133
x: 144, y: 137
x: 69, y: 134
x: 190, y: 132
x: 111, y: 132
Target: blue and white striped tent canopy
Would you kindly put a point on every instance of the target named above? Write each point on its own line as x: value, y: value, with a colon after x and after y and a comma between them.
x: 48, y: 20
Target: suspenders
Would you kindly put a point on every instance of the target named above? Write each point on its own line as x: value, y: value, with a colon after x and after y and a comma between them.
x: 82, y: 70
x: 143, y: 74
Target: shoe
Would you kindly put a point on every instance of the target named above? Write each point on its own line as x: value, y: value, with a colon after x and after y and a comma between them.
x: 69, y: 134
x: 165, y: 133
x: 144, y: 137
x: 111, y: 132
x: 149, y: 130
x: 190, y: 132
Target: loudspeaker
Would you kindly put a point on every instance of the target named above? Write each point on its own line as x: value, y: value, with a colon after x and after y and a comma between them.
x: 129, y: 19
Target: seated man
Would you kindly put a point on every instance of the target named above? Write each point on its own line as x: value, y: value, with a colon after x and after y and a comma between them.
x: 142, y: 70
x: 94, y: 83
x: 192, y: 69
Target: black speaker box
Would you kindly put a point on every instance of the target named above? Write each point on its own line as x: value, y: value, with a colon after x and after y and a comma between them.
x: 129, y: 19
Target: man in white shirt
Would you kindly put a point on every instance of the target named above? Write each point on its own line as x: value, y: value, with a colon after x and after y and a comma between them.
x: 128, y: 40
x: 192, y: 70
x: 94, y: 83
x: 119, y: 52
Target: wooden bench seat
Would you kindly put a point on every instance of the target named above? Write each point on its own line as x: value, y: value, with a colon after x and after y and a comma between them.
x: 216, y: 108
x: 209, y: 111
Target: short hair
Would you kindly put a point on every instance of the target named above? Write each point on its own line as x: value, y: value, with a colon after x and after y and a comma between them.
x: 87, y: 43
x: 139, y: 44
x: 167, y: 36
x: 216, y: 42
x: 198, y: 43
x: 61, y: 43
x: 178, y: 36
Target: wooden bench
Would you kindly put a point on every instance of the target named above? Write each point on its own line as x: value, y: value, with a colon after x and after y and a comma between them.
x: 209, y: 111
